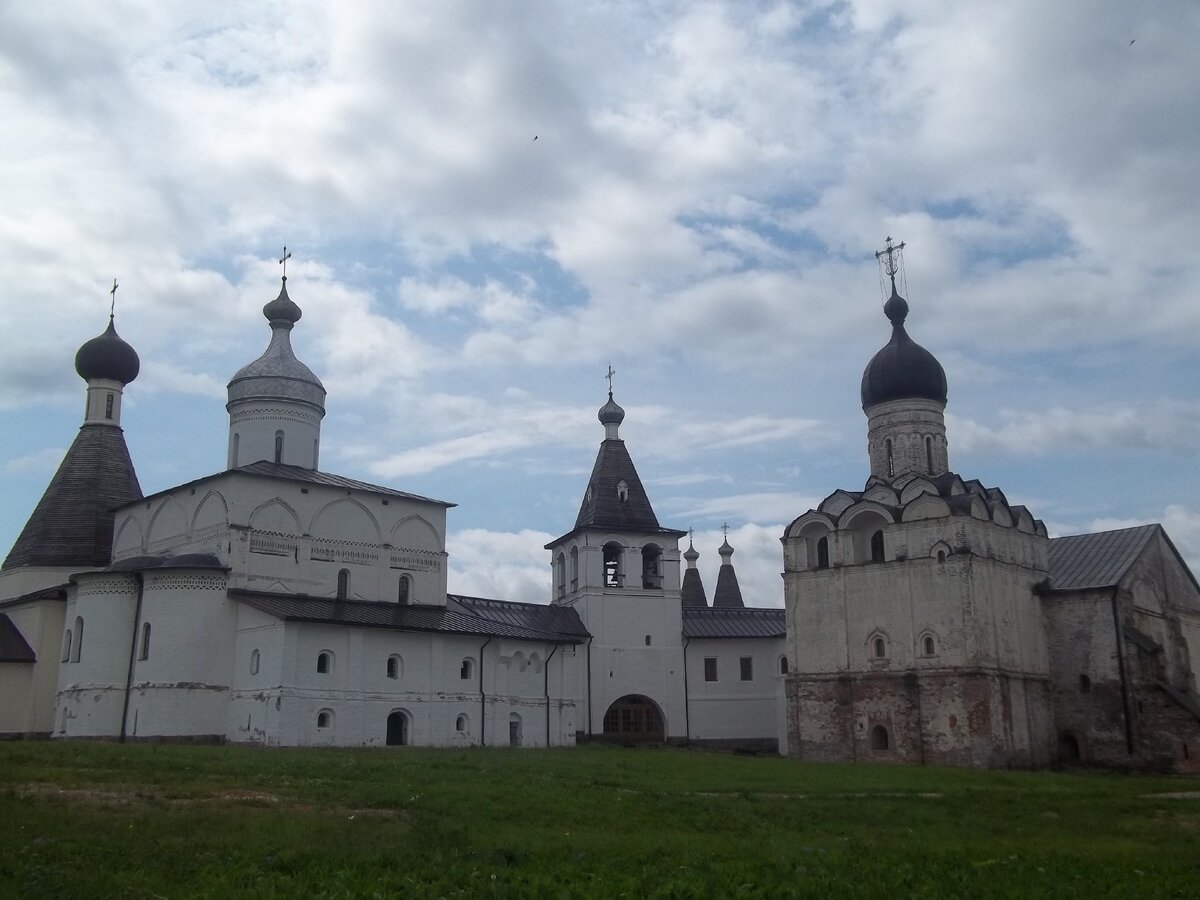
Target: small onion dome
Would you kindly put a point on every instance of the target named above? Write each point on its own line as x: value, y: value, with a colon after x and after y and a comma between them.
x: 726, y: 551
x: 690, y: 553
x: 903, y: 369
x: 610, y: 413
x: 108, y: 357
x: 282, y: 308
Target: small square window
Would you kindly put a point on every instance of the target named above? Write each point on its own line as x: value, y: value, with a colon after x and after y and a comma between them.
x: 747, y: 666
x: 710, y: 668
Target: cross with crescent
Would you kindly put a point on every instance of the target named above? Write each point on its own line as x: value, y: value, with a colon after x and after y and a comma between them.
x: 283, y: 260
x: 611, y: 373
x: 112, y: 309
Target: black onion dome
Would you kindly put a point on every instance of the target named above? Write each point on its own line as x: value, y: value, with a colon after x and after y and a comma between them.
x: 610, y: 413
x: 903, y: 369
x: 282, y: 308
x: 109, y: 357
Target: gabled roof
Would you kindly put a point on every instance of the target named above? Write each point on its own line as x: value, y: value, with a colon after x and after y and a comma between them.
x: 456, y: 617
x: 604, y: 506
x: 284, y: 472
x: 13, y: 646
x: 551, y: 620
x: 1081, y: 561
x: 72, y: 525
x: 711, y: 622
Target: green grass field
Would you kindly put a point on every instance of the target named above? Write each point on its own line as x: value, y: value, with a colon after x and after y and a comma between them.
x: 103, y: 820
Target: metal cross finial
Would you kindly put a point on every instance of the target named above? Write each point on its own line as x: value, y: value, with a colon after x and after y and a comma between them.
x: 691, y: 534
x: 283, y: 260
x: 611, y: 373
x: 112, y: 309
x: 892, y: 264
x: 725, y: 529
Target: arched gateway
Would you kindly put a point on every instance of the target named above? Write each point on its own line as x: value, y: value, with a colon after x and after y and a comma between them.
x: 634, y: 718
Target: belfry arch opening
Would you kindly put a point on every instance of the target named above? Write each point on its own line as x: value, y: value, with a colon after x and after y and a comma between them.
x: 634, y: 719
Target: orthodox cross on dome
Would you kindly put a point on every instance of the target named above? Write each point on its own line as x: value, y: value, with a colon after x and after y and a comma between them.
x: 891, y: 264
x: 725, y: 529
x: 286, y: 256
x: 611, y: 373
x: 112, y: 309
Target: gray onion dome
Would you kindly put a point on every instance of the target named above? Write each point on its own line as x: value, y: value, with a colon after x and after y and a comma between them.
x: 610, y: 413
x: 903, y: 369
x: 107, y: 357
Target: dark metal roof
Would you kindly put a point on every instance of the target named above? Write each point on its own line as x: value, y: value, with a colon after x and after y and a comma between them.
x: 454, y: 618
x: 182, y: 561
x: 284, y: 472
x: 747, y: 622
x: 603, y: 506
x: 72, y: 525
x: 557, y: 620
x: 1082, y: 561
x: 58, y: 593
x: 692, y: 591
x: 13, y: 646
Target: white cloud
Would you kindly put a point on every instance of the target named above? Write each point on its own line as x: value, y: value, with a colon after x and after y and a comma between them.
x: 39, y: 462
x: 501, y: 565
x: 1155, y: 426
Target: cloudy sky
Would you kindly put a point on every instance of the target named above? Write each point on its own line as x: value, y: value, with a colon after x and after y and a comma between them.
x: 699, y: 209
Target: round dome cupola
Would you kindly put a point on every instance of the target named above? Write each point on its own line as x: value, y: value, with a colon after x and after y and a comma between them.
x: 611, y: 413
x: 282, y: 309
x: 903, y: 369
x: 107, y: 357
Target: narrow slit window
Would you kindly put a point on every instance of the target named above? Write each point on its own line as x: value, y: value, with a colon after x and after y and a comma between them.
x: 405, y: 590
x: 343, y: 584
x: 108, y: 406
x: 144, y: 650
x: 279, y: 446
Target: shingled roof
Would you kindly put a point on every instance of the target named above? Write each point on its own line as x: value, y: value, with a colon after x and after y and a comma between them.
x: 1082, y: 561
x: 72, y: 524
x: 604, y: 506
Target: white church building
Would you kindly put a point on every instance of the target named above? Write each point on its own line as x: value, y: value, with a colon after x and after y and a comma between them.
x: 927, y: 619
x: 278, y: 604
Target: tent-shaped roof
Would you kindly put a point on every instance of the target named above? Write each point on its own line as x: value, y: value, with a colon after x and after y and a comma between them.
x: 72, y: 525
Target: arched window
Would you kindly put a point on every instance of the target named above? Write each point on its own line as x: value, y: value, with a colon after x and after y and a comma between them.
x: 460, y: 724
x: 613, y: 576
x: 877, y: 547
x: 279, y: 446
x: 144, y: 650
x: 783, y: 665
x: 325, y: 719
x: 560, y: 568
x: 1085, y: 684
x: 404, y: 591
x: 78, y: 648
x: 343, y: 584
x: 648, y: 640
x: 891, y: 465
x: 927, y: 645
x: 397, y: 729
x: 823, y: 553
x: 66, y: 654
x: 574, y: 568
x: 255, y: 661
x: 514, y: 730
x: 652, y: 567
x: 467, y: 670
x: 233, y: 450
x: 393, y: 666
x: 324, y: 662
x: 879, y: 738
x: 929, y: 454
x: 879, y: 648
x: 941, y: 556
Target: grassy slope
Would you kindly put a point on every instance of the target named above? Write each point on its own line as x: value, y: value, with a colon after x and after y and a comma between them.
x: 142, y: 820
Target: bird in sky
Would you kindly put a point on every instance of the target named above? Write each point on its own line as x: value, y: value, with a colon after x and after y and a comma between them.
x: 1131, y: 43
x: 535, y: 137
